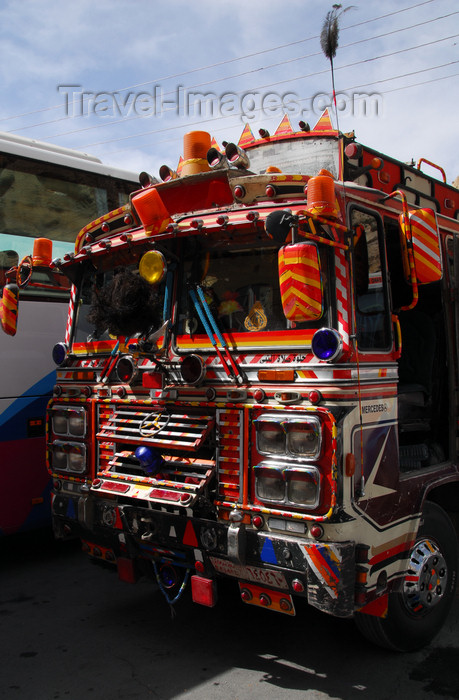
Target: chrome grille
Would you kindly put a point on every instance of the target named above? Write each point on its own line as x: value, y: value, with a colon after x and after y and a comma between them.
x: 162, y: 428
x: 187, y: 470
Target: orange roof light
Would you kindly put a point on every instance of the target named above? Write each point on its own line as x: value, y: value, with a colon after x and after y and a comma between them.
x: 42, y: 252
x: 195, y: 147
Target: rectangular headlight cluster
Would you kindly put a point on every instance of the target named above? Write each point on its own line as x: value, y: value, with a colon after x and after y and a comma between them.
x: 68, y: 457
x: 287, y: 485
x: 292, y: 436
x: 68, y: 421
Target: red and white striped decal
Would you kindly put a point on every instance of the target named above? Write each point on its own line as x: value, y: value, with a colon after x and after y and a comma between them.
x: 342, y: 297
x: 70, y: 314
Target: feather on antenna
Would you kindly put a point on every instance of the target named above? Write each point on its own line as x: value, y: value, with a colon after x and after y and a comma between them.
x: 330, y: 32
x: 329, y: 39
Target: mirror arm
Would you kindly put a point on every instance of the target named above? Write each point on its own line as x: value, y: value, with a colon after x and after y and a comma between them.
x: 316, y: 238
x: 398, y: 336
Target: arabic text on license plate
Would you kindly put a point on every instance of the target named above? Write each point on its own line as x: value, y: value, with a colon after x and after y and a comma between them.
x: 255, y: 574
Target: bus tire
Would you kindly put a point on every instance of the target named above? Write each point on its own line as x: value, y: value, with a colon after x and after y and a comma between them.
x: 418, y: 611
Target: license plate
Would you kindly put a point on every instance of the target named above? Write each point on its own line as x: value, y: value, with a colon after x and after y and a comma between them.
x: 256, y: 574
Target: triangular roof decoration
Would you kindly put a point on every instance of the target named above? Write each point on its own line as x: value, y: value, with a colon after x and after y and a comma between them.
x: 284, y: 128
x: 179, y: 166
x: 214, y: 144
x: 324, y: 123
x: 247, y: 137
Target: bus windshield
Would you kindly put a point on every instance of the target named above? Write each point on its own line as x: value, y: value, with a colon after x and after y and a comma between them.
x: 45, y: 192
x: 45, y: 199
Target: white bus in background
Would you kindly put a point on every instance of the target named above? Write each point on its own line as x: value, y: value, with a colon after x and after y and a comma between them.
x: 50, y: 192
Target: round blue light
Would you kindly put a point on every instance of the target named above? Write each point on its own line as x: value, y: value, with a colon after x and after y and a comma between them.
x: 326, y: 344
x: 60, y: 353
x: 150, y: 459
x: 168, y: 576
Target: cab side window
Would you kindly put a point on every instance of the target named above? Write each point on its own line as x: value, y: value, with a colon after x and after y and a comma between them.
x: 372, y: 310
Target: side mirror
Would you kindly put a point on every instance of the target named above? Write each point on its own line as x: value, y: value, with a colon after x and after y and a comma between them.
x: 9, y: 309
x: 300, y: 282
x: 420, y: 236
x: 278, y: 224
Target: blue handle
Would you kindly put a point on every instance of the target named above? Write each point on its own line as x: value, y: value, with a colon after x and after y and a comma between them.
x: 195, y: 301
x: 168, y: 294
x: 211, y: 318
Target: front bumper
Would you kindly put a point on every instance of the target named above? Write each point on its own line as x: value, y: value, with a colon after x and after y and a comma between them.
x: 323, y: 572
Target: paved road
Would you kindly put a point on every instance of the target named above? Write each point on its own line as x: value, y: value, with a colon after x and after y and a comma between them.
x: 70, y: 631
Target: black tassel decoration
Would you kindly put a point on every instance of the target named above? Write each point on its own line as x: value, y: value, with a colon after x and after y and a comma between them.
x: 329, y: 38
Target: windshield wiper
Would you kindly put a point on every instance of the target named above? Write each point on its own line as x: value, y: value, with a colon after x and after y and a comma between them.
x: 212, y: 330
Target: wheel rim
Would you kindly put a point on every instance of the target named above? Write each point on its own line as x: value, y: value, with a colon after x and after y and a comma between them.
x: 425, y: 582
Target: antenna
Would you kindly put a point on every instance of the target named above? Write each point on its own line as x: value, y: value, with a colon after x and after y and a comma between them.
x: 329, y: 42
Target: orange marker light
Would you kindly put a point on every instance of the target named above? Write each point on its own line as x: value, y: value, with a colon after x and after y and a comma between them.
x: 276, y: 375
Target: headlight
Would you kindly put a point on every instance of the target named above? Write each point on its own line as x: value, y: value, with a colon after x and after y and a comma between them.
x: 59, y: 422
x: 59, y: 459
x: 294, y: 486
x: 303, y: 437
x: 68, y: 457
x: 69, y: 421
x: 269, y: 483
x: 303, y: 487
x: 293, y: 436
x: 270, y: 435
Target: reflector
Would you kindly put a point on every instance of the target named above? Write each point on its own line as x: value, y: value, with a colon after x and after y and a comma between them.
x: 126, y: 570
x: 203, y: 591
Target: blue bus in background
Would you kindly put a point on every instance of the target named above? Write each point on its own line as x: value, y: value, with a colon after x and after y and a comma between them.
x: 45, y: 192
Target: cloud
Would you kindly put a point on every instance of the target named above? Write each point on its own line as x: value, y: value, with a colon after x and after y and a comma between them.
x: 123, y: 48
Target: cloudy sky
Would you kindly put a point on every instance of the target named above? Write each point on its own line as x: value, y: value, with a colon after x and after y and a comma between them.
x: 125, y: 79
